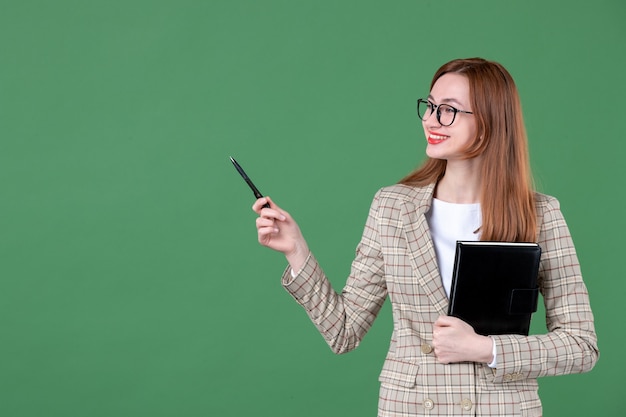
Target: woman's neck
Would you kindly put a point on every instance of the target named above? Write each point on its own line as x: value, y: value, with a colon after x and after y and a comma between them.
x: 461, y: 183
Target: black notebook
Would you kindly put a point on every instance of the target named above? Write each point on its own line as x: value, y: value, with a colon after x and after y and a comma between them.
x: 494, y: 286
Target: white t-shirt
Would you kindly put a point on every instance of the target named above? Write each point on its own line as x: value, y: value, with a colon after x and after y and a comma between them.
x: 448, y: 223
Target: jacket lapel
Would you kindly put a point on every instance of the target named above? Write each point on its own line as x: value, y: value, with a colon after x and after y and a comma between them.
x: 421, y: 248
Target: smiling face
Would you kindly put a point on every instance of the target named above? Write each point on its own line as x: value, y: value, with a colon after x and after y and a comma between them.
x: 450, y: 142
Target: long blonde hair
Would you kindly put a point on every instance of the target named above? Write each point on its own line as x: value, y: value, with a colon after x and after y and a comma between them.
x: 507, y: 195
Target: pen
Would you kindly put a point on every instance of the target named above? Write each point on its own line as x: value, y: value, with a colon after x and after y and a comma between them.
x: 255, y: 190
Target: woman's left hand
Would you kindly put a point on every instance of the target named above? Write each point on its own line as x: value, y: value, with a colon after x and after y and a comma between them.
x: 455, y: 341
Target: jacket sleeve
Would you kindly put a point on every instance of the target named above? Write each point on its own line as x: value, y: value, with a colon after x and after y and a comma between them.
x: 570, y: 346
x: 344, y: 318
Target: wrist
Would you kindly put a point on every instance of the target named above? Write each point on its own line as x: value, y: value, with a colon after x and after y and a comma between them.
x: 488, y: 350
x: 297, y: 258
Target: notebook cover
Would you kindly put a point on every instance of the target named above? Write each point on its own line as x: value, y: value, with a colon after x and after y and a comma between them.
x: 494, y: 286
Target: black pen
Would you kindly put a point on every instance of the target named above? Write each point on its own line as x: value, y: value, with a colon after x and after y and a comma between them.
x: 255, y: 190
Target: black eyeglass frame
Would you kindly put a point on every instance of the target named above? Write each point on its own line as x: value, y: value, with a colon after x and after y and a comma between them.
x: 434, y: 106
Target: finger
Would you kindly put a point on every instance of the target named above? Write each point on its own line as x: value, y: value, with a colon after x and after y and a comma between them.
x: 262, y: 222
x: 445, y: 321
x: 272, y: 215
x: 265, y: 232
x: 282, y: 214
x: 267, y: 200
x: 272, y: 212
x: 267, y: 227
x: 439, y: 354
x: 259, y: 203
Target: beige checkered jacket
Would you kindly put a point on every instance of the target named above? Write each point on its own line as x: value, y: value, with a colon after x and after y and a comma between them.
x: 396, y: 258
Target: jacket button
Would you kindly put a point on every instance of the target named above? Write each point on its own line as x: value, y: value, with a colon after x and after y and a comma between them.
x: 428, y: 404
x: 426, y: 348
x: 466, y: 404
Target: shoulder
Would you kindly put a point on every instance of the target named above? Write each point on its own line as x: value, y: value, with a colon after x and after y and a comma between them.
x: 407, y: 193
x: 544, y: 200
x: 391, y: 198
x: 546, y: 204
x: 549, y: 215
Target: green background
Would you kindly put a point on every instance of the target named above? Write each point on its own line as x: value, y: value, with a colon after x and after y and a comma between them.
x: 131, y: 282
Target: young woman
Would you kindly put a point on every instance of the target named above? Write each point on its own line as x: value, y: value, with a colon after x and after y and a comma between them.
x: 475, y: 185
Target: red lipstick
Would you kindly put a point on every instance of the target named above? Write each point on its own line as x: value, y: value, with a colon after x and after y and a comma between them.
x: 434, y: 138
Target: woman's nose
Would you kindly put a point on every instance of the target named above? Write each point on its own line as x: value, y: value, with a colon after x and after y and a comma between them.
x: 432, y: 120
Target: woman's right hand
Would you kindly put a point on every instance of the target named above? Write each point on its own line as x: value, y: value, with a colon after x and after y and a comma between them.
x: 277, y: 230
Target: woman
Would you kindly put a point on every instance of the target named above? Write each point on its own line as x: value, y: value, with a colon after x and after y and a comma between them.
x: 475, y: 185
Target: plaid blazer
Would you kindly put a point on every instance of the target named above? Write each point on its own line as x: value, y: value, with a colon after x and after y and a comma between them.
x: 396, y: 258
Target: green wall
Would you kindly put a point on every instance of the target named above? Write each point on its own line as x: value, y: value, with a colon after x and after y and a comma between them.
x: 131, y: 283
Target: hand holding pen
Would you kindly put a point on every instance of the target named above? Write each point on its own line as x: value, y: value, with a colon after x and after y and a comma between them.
x: 276, y: 229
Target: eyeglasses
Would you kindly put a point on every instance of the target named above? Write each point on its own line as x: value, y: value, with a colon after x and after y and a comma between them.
x: 445, y: 113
